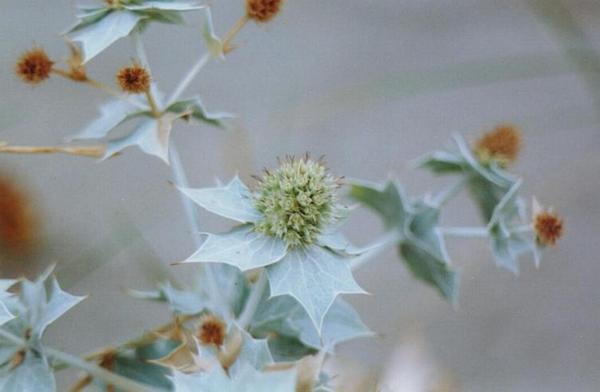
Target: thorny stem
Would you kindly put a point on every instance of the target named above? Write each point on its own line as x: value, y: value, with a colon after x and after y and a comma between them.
x: 193, y: 219
x: 85, y: 151
x: 253, y: 301
x: 110, y: 378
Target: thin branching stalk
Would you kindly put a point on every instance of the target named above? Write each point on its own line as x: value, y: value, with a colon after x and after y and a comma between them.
x: 102, y: 87
x: 204, y: 59
x: 450, y: 193
x: 120, y: 382
x: 376, y: 249
x: 193, y: 219
x: 188, y: 78
x: 465, y: 231
x: 253, y: 301
x: 84, y: 151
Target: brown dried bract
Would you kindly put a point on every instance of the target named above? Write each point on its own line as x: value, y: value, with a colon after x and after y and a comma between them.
x: 263, y: 11
x: 134, y: 79
x: 502, y: 145
x: 212, y: 330
x: 548, y: 227
x: 34, y: 66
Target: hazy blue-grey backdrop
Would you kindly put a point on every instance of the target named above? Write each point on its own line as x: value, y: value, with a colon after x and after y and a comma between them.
x: 370, y: 84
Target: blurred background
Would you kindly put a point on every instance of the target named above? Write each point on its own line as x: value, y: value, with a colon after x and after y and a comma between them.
x: 370, y: 85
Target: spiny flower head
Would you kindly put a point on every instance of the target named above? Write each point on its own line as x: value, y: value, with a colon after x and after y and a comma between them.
x: 262, y: 11
x: 212, y: 330
x: 34, y: 66
x: 502, y: 145
x: 548, y: 227
x: 134, y: 79
x: 297, y: 200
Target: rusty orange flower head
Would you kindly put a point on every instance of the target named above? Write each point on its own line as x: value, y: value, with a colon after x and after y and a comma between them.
x: 502, y: 145
x: 34, y: 66
x: 18, y: 221
x: 262, y: 11
x: 134, y: 79
x: 547, y: 225
x: 212, y: 330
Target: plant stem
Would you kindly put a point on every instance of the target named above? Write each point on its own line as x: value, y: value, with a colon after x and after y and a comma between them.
x: 152, y: 102
x: 233, y: 32
x: 100, y: 373
x: 375, y: 249
x: 140, y: 50
x: 188, y: 78
x: 253, y: 301
x: 522, y: 229
x: 193, y: 219
x: 101, y: 86
x: 447, y: 195
x: 85, y: 151
x: 465, y: 231
x: 203, y: 60
x: 76, y: 362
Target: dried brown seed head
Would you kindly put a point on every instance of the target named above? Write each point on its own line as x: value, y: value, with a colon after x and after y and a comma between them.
x: 212, y: 330
x: 34, y: 66
x: 548, y: 227
x: 502, y: 145
x: 262, y: 11
x: 134, y: 79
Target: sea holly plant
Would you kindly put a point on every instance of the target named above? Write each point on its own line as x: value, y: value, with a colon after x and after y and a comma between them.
x: 265, y: 310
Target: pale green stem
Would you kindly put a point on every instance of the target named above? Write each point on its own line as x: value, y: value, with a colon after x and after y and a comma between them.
x: 140, y: 50
x: 193, y: 219
x: 522, y: 229
x: 253, y: 301
x: 110, y: 378
x: 450, y: 193
x: 188, y: 78
x: 465, y: 231
x: 375, y: 249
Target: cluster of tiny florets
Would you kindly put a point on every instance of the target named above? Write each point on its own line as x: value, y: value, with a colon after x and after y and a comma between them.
x: 263, y: 11
x: 34, y: 66
x: 134, y: 79
x: 212, y: 330
x: 297, y: 200
x: 501, y: 146
x: 548, y: 227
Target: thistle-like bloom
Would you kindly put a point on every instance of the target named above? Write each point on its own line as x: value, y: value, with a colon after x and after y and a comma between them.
x: 501, y: 146
x: 289, y: 226
x: 212, y: 330
x: 262, y: 11
x: 34, y: 66
x: 134, y: 79
x: 548, y: 227
x: 297, y: 200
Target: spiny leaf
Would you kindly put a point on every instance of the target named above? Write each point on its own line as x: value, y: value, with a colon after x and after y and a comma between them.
x: 233, y: 201
x: 242, y: 247
x: 314, y: 277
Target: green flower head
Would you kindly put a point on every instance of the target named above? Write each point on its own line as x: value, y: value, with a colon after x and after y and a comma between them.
x: 297, y: 200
